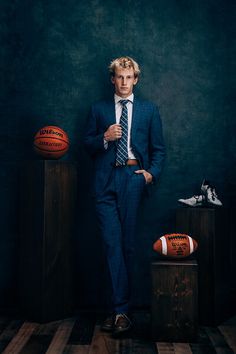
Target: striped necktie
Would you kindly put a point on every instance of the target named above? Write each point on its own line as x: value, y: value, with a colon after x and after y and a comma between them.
x: 122, y: 146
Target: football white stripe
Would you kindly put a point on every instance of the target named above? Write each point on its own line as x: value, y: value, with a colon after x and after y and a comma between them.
x: 190, y: 244
x: 164, y: 245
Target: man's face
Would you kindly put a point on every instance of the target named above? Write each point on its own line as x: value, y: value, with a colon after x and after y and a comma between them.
x: 124, y: 81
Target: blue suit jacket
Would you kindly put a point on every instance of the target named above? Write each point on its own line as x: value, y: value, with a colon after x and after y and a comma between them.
x: 146, y: 139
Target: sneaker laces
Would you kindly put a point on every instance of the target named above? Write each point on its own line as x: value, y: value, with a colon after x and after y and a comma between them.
x: 213, y: 193
x: 197, y: 197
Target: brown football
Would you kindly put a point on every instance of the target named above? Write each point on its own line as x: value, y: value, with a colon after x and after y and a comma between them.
x: 175, y: 245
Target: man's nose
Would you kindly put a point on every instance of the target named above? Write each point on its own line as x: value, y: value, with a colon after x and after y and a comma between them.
x: 124, y: 81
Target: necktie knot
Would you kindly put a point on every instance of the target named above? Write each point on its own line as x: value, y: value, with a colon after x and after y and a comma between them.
x: 124, y: 102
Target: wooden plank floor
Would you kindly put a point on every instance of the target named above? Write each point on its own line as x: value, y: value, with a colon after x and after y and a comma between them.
x: 82, y: 335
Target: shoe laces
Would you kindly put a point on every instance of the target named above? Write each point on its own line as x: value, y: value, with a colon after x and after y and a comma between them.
x: 197, y: 197
x: 213, y: 193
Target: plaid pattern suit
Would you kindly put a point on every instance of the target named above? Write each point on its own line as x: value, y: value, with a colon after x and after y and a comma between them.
x: 118, y: 190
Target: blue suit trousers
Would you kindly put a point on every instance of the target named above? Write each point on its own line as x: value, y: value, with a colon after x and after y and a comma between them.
x: 116, y: 208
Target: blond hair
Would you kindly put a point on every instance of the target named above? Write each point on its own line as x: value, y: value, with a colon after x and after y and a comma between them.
x: 124, y: 62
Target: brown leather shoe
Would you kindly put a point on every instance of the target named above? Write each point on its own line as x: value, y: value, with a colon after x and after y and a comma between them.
x: 108, y: 324
x: 122, y: 324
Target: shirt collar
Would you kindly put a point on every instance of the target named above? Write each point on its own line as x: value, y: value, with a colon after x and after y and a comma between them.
x: 118, y: 98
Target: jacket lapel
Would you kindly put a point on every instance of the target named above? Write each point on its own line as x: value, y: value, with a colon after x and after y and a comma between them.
x: 109, y: 112
x: 135, y: 117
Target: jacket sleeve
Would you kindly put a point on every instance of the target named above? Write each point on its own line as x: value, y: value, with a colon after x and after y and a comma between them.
x: 93, y: 139
x: 157, y: 149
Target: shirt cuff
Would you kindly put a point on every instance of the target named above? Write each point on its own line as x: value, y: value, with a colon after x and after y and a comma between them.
x: 105, y: 144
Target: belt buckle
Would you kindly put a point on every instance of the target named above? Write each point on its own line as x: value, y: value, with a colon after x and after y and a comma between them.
x: 132, y: 162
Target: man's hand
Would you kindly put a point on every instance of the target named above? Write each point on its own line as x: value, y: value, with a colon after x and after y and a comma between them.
x: 114, y: 132
x: 148, y: 177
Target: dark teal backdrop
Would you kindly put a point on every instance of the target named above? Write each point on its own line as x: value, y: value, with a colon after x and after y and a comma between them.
x: 54, y: 58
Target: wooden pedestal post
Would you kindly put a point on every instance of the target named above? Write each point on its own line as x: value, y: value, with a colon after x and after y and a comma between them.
x: 174, y: 312
x: 48, y: 194
x: 210, y: 227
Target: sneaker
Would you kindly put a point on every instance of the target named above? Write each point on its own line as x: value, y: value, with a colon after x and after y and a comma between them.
x: 108, y: 324
x: 210, y: 193
x: 122, y: 324
x: 204, y: 186
x: 196, y: 200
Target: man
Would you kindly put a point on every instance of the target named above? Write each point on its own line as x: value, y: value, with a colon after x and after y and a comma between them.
x: 124, y: 137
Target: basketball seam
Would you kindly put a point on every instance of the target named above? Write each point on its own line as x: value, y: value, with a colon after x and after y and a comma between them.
x: 51, y: 137
x: 45, y: 150
x: 53, y: 127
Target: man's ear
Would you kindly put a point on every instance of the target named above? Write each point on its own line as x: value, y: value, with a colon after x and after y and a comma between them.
x: 135, y: 80
x: 112, y: 80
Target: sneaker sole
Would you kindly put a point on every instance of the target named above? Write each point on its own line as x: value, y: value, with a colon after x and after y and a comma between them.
x: 190, y: 205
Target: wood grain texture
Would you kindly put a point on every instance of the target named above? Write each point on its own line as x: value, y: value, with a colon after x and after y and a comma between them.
x: 21, y: 338
x: 141, y: 346
x: 56, y: 337
x: 207, y: 225
x: 9, y: 332
x: 218, y: 341
x: 46, y: 242
x: 76, y: 349
x: 182, y: 348
x: 229, y: 333
x: 165, y: 348
x: 40, y: 340
x: 174, y: 307
x: 102, y: 343
x: 61, y: 337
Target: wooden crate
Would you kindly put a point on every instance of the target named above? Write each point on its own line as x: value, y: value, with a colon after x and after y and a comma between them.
x: 174, y: 309
x: 47, y: 210
x: 210, y: 227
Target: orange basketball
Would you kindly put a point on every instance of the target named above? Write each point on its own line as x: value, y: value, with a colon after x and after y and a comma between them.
x: 51, y: 142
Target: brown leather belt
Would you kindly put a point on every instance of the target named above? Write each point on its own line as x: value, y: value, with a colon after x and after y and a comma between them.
x: 130, y: 162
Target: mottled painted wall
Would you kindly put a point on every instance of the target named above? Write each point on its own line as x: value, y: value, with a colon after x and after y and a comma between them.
x: 54, y: 65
